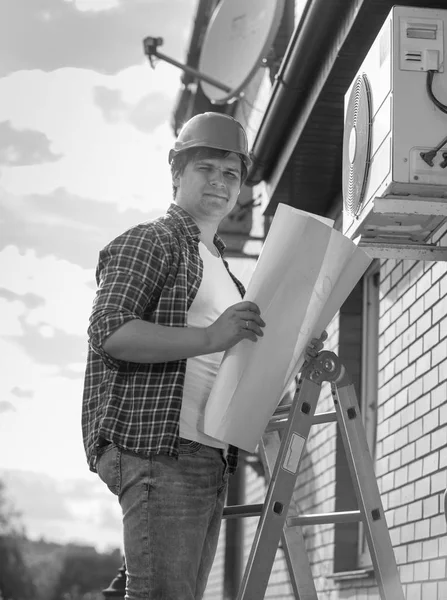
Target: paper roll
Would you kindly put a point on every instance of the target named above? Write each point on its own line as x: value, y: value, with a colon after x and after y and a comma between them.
x: 304, y: 273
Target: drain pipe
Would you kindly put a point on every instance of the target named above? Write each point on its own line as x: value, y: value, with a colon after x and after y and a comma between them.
x: 305, y: 57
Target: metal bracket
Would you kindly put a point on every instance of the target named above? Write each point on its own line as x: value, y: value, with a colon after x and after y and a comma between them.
x: 326, y: 366
x: 151, y: 45
x: 410, y: 205
x: 403, y: 251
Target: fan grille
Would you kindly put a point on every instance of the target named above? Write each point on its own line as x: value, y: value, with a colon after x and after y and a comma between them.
x: 357, y: 146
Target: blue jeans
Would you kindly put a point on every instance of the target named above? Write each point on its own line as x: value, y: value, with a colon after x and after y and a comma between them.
x: 172, y: 511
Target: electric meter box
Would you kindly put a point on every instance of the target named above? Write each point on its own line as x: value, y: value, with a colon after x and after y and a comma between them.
x: 393, y: 191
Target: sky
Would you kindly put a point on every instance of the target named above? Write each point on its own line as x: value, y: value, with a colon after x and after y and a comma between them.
x: 84, y: 136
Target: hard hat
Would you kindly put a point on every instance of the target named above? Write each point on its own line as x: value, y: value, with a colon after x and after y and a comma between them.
x: 213, y: 130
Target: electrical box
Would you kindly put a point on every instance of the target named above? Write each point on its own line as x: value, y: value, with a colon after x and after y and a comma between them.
x: 395, y: 136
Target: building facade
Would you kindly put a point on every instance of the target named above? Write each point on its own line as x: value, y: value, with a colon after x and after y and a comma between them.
x: 391, y: 333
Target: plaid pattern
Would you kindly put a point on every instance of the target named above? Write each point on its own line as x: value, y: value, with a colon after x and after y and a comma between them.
x: 151, y: 272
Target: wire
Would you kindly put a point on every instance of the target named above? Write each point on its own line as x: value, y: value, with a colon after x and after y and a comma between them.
x: 430, y: 154
x: 429, y: 85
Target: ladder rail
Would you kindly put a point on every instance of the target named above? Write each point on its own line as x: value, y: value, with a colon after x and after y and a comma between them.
x: 274, y: 514
x: 292, y: 539
x: 279, y: 516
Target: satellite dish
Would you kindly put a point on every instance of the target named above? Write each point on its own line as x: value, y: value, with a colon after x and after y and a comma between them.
x: 240, y: 34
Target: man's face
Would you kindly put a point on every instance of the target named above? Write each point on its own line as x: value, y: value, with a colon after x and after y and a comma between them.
x: 209, y: 187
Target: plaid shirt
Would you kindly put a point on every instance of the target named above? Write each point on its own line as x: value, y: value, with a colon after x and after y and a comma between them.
x: 151, y: 272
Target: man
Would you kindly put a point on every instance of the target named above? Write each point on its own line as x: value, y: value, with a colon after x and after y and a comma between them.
x: 166, y: 309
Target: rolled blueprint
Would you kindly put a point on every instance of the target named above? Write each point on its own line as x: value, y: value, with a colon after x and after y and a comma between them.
x: 304, y: 273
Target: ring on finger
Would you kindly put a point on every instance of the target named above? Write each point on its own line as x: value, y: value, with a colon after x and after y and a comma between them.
x: 247, y: 325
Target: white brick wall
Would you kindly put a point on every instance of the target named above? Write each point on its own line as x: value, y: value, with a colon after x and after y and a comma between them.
x: 412, y: 434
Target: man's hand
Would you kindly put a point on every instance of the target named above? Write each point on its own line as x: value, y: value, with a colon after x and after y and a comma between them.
x: 315, y: 346
x: 242, y: 321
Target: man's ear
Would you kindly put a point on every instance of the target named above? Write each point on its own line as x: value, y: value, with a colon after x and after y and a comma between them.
x: 176, y: 179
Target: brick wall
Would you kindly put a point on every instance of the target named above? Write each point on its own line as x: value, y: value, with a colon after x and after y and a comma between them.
x: 412, y: 433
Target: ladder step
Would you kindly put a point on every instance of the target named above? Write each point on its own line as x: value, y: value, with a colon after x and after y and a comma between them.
x: 279, y: 418
x: 327, y: 417
x: 242, y: 510
x: 349, y: 516
x: 255, y: 510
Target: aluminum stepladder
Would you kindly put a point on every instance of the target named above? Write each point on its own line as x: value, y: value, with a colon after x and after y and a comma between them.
x: 281, y: 455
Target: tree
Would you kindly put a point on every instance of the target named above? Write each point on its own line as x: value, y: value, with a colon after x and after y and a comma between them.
x: 15, y: 580
x: 40, y: 570
x: 85, y: 572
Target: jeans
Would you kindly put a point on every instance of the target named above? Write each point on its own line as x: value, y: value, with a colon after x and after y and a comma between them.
x: 172, y: 511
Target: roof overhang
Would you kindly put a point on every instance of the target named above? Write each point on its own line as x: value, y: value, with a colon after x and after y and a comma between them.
x: 298, y: 147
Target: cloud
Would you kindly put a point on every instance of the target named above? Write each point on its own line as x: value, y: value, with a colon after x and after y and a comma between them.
x: 112, y: 162
x: 17, y: 367
x: 13, y: 394
x: 94, y: 5
x: 73, y: 373
x: 64, y: 225
x: 21, y: 393
x: 145, y: 115
x: 48, y: 255
x: 64, y: 312
x: 110, y: 102
x: 13, y: 307
x: 45, y: 431
x: 24, y: 147
x: 64, y: 510
x: 60, y: 349
x: 51, y: 34
x: 29, y: 300
x: 36, y: 494
x: 150, y: 111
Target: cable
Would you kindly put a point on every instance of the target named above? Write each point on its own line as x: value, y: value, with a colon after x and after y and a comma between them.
x: 429, y: 85
x: 430, y: 154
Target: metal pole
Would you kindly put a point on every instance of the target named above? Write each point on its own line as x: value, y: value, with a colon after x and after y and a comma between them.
x: 150, y: 45
x: 191, y: 71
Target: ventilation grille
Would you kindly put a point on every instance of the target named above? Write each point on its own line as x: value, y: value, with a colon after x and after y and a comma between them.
x: 357, y: 146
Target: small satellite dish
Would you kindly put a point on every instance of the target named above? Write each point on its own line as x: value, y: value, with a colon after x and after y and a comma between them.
x: 239, y: 36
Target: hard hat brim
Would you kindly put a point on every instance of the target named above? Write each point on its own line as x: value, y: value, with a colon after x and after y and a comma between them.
x: 173, y: 152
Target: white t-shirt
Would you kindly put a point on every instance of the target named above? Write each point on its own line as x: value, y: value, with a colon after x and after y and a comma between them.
x: 216, y: 293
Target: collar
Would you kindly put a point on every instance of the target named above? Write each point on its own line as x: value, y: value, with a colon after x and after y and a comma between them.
x: 181, y: 216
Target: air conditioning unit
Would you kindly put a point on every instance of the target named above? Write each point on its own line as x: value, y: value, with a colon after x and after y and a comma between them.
x: 395, y: 136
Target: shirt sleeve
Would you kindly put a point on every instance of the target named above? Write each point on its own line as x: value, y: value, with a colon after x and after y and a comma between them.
x: 131, y: 272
